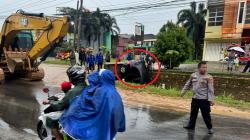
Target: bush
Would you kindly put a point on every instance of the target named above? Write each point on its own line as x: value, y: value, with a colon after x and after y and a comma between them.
x: 172, y: 45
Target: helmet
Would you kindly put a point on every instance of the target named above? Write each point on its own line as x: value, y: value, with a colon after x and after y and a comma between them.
x: 76, y: 74
x: 65, y: 86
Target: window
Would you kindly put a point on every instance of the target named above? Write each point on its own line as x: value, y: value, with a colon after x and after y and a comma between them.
x: 247, y: 21
x: 216, y: 16
x: 241, y: 12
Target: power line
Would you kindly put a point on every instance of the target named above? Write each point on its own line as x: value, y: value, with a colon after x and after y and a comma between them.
x: 176, y: 5
x: 125, y: 4
x: 14, y: 4
x: 19, y: 7
x: 57, y: 4
x: 160, y: 4
x: 39, y: 4
x: 124, y: 17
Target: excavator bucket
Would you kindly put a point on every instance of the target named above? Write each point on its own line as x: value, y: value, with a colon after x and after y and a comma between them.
x: 14, y: 59
x: 11, y: 65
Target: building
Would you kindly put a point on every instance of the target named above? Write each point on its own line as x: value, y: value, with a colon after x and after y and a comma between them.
x: 149, y: 40
x: 123, y: 41
x: 105, y: 40
x: 228, y: 21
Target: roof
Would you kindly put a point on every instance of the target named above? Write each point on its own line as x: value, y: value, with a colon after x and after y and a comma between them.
x: 126, y: 35
x: 149, y: 36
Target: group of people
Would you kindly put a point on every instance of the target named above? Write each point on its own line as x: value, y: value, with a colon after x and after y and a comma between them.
x: 90, y: 112
x: 144, y: 58
x: 233, y: 60
x: 87, y: 58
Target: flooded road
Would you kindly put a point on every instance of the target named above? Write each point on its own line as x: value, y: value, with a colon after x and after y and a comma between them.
x: 20, y: 103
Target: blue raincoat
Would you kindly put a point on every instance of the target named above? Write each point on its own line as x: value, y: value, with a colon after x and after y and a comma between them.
x: 98, y: 114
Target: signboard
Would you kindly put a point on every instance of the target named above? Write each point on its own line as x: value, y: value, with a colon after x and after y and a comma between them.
x: 138, y: 30
x: 139, y: 34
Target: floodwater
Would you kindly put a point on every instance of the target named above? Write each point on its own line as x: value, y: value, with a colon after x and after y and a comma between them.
x: 20, y: 103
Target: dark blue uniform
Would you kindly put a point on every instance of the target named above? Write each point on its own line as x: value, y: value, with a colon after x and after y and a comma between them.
x: 91, y: 61
x: 99, y: 59
x: 129, y: 57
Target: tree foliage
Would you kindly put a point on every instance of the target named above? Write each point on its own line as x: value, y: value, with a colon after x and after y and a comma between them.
x: 93, y: 23
x: 194, y: 22
x: 172, y: 45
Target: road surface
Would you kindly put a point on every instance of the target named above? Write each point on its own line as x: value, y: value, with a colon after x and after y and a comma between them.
x: 20, y: 103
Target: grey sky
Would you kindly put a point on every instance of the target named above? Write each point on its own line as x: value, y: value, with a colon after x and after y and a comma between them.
x: 152, y: 19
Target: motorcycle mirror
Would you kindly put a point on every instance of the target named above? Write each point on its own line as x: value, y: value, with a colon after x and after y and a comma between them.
x: 46, y: 90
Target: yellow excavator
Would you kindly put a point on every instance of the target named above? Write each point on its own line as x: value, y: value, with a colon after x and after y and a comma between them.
x: 19, y: 52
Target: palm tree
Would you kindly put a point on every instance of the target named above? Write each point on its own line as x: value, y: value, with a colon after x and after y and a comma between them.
x: 194, y: 22
x: 72, y: 13
x: 93, y: 23
x: 106, y: 24
x: 91, y: 27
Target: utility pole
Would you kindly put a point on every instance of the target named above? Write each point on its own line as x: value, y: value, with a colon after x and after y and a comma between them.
x: 80, y: 23
x: 76, y: 25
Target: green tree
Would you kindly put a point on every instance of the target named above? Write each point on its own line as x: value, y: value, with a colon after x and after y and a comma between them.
x: 194, y: 22
x: 173, y: 46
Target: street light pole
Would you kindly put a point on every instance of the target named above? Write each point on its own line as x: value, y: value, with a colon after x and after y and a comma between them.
x: 80, y: 23
x: 75, y: 25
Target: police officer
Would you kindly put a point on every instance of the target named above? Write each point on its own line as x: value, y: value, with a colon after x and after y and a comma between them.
x: 203, y: 96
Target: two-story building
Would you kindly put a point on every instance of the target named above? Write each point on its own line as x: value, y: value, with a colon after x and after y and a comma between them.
x: 228, y: 21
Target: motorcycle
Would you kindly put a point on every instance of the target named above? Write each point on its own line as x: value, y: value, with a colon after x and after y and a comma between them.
x: 44, y: 132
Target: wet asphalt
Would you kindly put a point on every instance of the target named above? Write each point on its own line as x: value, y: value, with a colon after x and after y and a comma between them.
x: 20, y: 103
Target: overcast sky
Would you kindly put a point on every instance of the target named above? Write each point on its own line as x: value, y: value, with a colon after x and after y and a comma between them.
x: 153, y: 19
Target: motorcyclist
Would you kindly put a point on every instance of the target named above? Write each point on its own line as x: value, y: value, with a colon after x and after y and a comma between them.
x: 76, y: 75
x: 98, y: 113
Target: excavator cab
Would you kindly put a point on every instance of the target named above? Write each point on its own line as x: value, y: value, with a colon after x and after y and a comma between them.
x: 22, y: 40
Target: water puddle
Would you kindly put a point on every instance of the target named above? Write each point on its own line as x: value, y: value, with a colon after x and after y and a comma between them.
x: 20, y: 104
